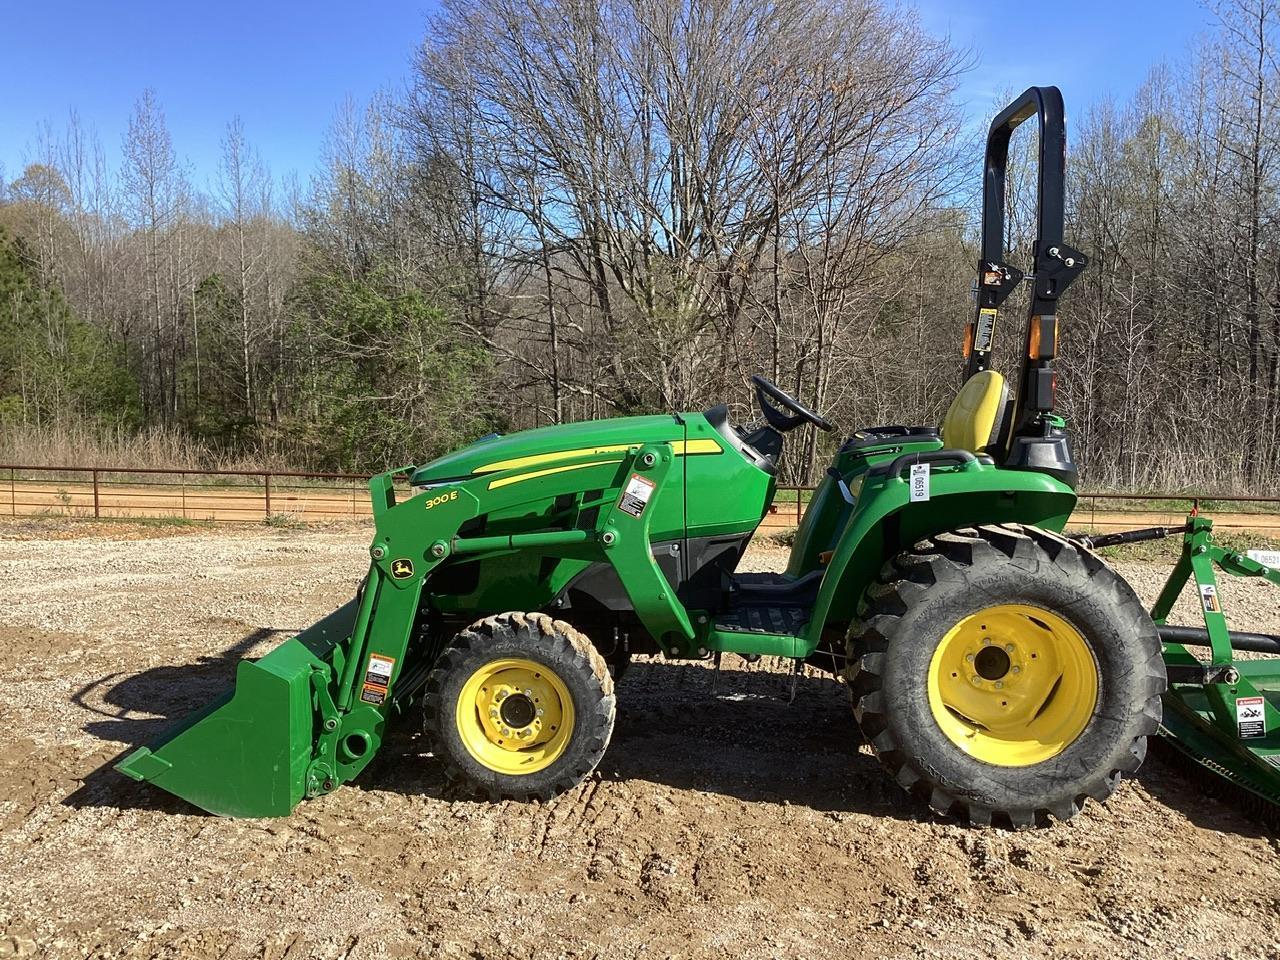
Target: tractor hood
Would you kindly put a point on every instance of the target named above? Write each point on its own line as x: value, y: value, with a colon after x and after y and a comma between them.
x: 545, y: 445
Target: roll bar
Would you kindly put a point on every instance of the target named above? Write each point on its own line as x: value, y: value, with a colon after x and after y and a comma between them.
x: 1054, y: 267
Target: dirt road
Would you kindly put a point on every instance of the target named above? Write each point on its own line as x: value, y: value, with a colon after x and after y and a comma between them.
x: 200, y: 498
x: 722, y: 824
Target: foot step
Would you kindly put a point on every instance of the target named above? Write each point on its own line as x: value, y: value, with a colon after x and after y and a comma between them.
x: 784, y: 621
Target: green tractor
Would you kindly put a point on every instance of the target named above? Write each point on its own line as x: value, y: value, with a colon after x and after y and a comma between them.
x: 1001, y: 672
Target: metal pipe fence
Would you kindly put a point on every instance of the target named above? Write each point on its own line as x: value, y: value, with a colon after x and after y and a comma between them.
x: 256, y: 495
x: 206, y: 495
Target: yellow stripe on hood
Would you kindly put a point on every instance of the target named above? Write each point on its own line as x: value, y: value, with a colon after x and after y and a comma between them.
x: 681, y: 448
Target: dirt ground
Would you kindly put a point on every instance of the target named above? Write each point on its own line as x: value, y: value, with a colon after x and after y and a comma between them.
x: 722, y: 822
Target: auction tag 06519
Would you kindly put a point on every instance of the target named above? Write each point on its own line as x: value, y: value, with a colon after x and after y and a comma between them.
x: 919, y: 482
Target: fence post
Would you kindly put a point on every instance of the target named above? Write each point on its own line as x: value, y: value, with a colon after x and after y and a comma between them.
x: 97, y: 510
x: 184, y: 494
x: 266, y: 478
x: 799, y: 493
x: 13, y: 499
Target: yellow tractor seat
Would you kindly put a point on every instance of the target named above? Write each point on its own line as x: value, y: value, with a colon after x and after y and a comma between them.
x: 973, y: 421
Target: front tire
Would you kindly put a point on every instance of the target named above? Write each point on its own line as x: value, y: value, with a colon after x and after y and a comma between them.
x: 1003, y: 674
x: 519, y: 706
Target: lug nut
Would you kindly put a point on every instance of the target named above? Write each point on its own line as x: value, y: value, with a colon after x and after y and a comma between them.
x: 1008, y: 648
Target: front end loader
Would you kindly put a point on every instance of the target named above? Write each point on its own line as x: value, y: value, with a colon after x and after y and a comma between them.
x: 1001, y: 672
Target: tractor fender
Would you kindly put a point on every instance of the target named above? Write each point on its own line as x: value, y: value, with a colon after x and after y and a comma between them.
x: 886, y: 521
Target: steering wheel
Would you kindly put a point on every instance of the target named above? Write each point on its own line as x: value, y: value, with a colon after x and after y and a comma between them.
x: 779, y: 420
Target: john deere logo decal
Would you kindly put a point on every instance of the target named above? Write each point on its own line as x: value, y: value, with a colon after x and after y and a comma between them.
x: 402, y: 569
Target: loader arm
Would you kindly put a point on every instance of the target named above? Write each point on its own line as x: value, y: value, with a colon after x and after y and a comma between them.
x: 312, y: 714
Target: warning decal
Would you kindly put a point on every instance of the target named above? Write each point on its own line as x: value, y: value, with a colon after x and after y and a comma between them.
x: 377, y: 677
x: 1251, y: 718
x: 1209, y: 597
x: 636, y: 495
x: 985, y: 333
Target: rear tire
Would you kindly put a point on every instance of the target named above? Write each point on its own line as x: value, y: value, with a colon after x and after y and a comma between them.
x: 1003, y: 674
x: 519, y: 706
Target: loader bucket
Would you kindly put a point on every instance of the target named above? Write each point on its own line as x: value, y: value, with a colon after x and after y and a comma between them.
x: 247, y: 753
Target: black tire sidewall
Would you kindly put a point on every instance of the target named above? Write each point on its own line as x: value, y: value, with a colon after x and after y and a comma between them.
x: 592, y: 709
x: 1118, y: 634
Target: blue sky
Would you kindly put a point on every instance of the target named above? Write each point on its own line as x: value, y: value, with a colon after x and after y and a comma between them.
x: 1090, y: 49
x: 284, y: 67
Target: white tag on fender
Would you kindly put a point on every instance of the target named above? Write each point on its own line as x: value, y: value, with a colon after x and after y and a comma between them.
x: 919, y: 482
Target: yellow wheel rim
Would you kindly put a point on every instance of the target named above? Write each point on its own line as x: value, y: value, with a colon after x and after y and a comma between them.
x: 515, y: 716
x: 1013, y: 685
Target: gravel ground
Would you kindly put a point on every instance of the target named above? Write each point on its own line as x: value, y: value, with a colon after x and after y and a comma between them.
x: 722, y: 822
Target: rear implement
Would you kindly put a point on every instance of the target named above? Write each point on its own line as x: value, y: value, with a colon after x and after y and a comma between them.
x: 1221, y: 710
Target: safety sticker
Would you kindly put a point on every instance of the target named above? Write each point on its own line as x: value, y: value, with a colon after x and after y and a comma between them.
x: 985, y: 333
x: 1209, y: 598
x: 919, y: 482
x: 379, y: 670
x: 636, y: 495
x: 1251, y: 717
x: 377, y: 677
x: 1268, y: 558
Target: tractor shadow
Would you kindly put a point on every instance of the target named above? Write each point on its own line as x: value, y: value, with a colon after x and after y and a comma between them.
x: 742, y: 735
x: 137, y: 708
x: 739, y: 735
x: 736, y: 736
x: 1204, y: 799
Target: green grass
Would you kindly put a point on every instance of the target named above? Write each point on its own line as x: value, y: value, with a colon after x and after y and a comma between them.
x: 1174, y: 505
x: 777, y: 538
x: 165, y: 521
x: 284, y: 521
x: 50, y: 514
x: 1170, y: 548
